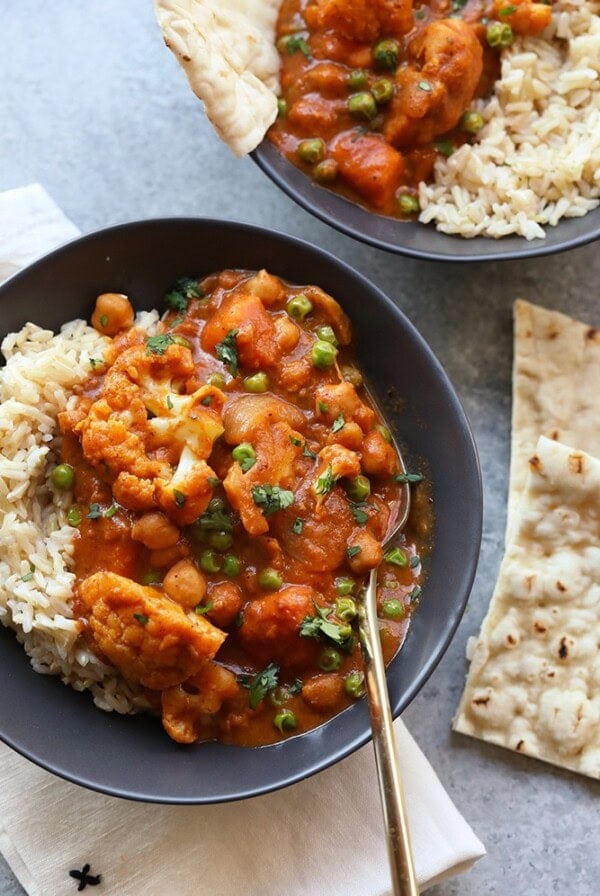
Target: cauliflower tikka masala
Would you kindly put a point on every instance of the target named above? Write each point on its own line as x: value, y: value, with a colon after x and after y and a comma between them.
x: 374, y: 91
x: 232, y: 487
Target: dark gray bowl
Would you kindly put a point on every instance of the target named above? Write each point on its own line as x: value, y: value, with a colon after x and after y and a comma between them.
x: 60, y: 729
x: 412, y: 238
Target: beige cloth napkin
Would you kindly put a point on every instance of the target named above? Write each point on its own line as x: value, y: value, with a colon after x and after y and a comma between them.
x: 321, y: 835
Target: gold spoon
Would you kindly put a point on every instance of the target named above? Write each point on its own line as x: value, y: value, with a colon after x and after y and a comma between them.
x: 404, y: 880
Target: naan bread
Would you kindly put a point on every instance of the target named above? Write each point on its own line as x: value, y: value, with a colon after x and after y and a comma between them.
x: 227, y: 50
x: 534, y: 681
x: 556, y: 389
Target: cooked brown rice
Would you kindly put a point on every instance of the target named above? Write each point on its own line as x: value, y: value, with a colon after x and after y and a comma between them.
x: 537, y: 159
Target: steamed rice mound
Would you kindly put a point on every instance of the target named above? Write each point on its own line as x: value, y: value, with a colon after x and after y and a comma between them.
x: 36, y: 542
x: 537, y: 159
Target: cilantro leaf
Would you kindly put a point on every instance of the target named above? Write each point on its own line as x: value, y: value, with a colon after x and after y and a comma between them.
x: 325, y: 482
x: 262, y: 683
x: 307, y: 452
x: 202, y: 609
x: 298, y: 526
x: 296, y: 686
x: 271, y: 498
x: 141, y: 618
x: 157, y: 345
x: 298, y: 42
x: 411, y: 478
x: 321, y: 627
x: 358, y: 512
x: 95, y: 512
x: 215, y: 518
x: 28, y: 575
x: 226, y: 351
x: 180, y: 498
x: 353, y: 550
x: 338, y: 423
x: 179, y: 297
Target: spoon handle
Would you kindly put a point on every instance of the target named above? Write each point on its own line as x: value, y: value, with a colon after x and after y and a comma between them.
x: 404, y: 880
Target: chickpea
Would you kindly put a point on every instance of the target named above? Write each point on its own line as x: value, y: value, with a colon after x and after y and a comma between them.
x: 323, y: 692
x: 378, y: 456
x: 267, y: 287
x: 226, y: 599
x: 185, y: 584
x: 113, y: 313
x: 369, y: 556
x: 350, y: 436
x: 155, y: 531
x: 287, y: 334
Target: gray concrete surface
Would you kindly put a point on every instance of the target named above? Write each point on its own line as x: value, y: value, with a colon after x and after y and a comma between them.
x: 94, y: 107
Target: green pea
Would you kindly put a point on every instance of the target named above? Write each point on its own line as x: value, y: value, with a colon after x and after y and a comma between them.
x: 407, y: 204
x: 285, y: 720
x: 209, y: 561
x: 359, y: 488
x: 311, y: 151
x: 345, y: 609
x: 499, y: 35
x: 362, y: 105
x: 357, y: 79
x: 393, y: 609
x: 231, y: 566
x: 354, y: 685
x: 471, y: 122
x: 396, y: 557
x: 299, y: 307
x: 325, y: 171
x: 323, y: 354
x: 384, y: 431
x: 258, y: 382
x: 352, y: 375
x: 382, y: 90
x: 216, y: 379
x: 220, y: 541
x: 282, y: 107
x: 151, y: 577
x: 245, y: 455
x: 344, y: 585
x: 74, y: 516
x: 63, y: 476
x: 327, y: 334
x: 269, y: 579
x: 329, y: 660
x: 386, y: 54
x: 278, y: 696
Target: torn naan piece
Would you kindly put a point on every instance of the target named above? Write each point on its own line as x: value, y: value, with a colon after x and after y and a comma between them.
x: 534, y: 681
x: 227, y: 50
x: 556, y: 389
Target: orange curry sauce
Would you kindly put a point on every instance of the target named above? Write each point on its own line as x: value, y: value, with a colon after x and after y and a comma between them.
x: 232, y: 486
x: 373, y: 91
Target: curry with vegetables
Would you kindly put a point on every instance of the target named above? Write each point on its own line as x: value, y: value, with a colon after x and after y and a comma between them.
x: 373, y: 91
x: 232, y: 487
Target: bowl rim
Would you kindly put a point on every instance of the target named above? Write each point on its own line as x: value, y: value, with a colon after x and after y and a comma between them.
x: 466, y: 575
x: 354, y: 221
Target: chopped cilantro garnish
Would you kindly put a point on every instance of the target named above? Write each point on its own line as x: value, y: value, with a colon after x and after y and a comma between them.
x: 202, y: 609
x: 94, y: 512
x: 28, y: 575
x: 215, y: 518
x: 295, y: 442
x: 320, y: 626
x: 307, y: 452
x: 185, y: 289
x: 262, y: 683
x: 425, y: 85
x: 297, y: 42
x: 94, y: 362
x: 414, y: 561
x: 169, y: 403
x: 110, y: 511
x: 226, y: 351
x: 508, y: 10
x: 180, y: 498
x: 298, y: 526
x: 207, y: 401
x: 358, y: 512
x: 338, y: 423
x: 296, y: 686
x: 141, y: 618
x: 411, y: 478
x: 271, y: 498
x: 415, y: 594
x: 157, y: 345
x: 103, y: 320
x: 325, y: 482
x: 353, y: 550
x: 322, y: 407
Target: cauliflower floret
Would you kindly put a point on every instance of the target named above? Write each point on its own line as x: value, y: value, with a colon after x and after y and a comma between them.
x: 185, y: 495
x: 149, y: 638
x: 335, y: 461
